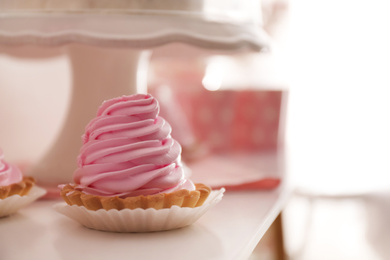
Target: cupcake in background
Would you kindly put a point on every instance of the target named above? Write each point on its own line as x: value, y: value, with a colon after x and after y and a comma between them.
x: 16, y: 190
x: 129, y: 167
x: 12, y: 181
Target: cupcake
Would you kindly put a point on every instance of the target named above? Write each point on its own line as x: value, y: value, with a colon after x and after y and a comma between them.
x: 129, y: 161
x: 12, y: 181
x: 16, y: 190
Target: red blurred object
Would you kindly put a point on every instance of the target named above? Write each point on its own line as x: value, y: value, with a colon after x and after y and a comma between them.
x: 263, y: 184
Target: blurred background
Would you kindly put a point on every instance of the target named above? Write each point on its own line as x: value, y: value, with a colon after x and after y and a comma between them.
x: 337, y: 130
x: 331, y: 58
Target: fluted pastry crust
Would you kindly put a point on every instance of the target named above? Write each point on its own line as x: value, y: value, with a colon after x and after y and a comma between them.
x: 21, y: 188
x: 181, y: 198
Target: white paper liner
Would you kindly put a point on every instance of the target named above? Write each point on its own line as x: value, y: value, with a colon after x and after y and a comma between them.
x: 138, y: 220
x: 13, y: 203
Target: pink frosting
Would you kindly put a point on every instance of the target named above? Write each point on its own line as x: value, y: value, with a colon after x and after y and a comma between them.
x: 9, y: 173
x: 128, y: 151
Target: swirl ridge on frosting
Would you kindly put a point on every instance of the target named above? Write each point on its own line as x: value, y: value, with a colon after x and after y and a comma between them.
x: 9, y: 174
x: 128, y: 151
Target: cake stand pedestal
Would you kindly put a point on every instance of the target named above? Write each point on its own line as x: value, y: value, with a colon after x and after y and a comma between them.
x: 97, y: 74
x: 109, y: 54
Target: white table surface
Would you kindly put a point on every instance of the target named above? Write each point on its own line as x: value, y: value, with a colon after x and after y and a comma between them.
x: 230, y: 230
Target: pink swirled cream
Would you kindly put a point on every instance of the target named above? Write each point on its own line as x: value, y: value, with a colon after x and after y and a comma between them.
x: 9, y: 174
x: 127, y: 152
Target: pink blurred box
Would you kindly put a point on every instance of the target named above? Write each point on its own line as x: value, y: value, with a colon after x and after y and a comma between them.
x: 236, y: 120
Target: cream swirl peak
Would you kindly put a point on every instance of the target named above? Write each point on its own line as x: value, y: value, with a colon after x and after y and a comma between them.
x: 9, y: 174
x: 128, y: 151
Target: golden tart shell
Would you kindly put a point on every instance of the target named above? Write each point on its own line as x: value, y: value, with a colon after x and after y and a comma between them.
x: 181, y: 198
x: 20, y: 188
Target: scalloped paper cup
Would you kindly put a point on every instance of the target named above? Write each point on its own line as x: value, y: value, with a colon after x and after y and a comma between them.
x: 13, y: 203
x: 138, y: 220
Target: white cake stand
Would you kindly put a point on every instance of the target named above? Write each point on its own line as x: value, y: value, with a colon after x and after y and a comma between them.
x: 109, y: 51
